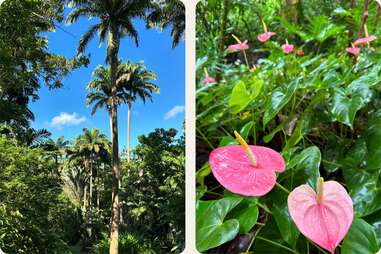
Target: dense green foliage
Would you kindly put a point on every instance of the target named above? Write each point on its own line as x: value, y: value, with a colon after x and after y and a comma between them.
x: 55, y: 195
x: 320, y: 110
x: 54, y: 199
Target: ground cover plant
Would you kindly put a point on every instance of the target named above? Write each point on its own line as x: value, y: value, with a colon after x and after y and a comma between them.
x: 301, y: 78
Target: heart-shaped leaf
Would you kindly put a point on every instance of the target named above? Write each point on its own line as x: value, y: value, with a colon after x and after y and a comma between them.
x: 309, y: 161
x: 212, y: 229
x: 361, y: 238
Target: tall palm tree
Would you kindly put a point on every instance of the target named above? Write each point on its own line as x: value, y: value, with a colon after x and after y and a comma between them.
x: 166, y: 13
x: 133, y: 82
x: 139, y: 85
x: 115, y: 22
x: 89, y: 145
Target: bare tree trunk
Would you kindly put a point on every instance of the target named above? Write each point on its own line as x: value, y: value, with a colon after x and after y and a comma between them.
x: 114, y: 236
x: 221, y: 47
x: 129, y: 133
x: 364, y: 18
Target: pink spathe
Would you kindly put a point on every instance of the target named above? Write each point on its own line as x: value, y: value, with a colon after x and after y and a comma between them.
x: 233, y: 169
x: 364, y: 40
x: 238, y: 46
x: 354, y: 50
x: 326, y: 222
x: 208, y: 80
x: 287, y: 48
x: 265, y: 36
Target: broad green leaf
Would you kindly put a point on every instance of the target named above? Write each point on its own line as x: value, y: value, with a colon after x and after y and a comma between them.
x: 278, y: 99
x: 243, y: 93
x: 245, y: 130
x: 361, y: 239
x: 246, y: 212
x: 240, y: 98
x: 375, y: 221
x: 308, y: 161
x: 287, y: 228
x: 347, y: 101
x: 212, y: 229
x: 227, y: 141
x: 365, y: 190
x: 200, y: 191
x: 202, y: 173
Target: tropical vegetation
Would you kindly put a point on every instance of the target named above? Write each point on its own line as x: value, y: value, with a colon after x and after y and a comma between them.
x: 84, y: 195
x: 302, y: 78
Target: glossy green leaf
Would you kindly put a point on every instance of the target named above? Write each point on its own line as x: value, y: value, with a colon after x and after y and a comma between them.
x: 200, y: 191
x: 243, y: 93
x: 246, y: 212
x: 240, y: 98
x: 361, y: 238
x: 287, y: 228
x: 245, y: 130
x: 212, y: 229
x: 202, y: 173
x: 365, y: 190
x: 346, y: 102
x: 278, y: 99
x: 227, y: 141
x: 308, y: 161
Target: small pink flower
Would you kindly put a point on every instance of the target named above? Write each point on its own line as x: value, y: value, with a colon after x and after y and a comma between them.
x: 246, y: 170
x: 265, y: 36
x: 287, y: 48
x: 299, y: 52
x: 238, y: 46
x: 364, y: 40
x: 353, y: 50
x: 324, y: 216
x: 208, y: 80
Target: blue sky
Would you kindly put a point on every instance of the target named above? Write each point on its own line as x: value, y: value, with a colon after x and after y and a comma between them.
x: 63, y: 111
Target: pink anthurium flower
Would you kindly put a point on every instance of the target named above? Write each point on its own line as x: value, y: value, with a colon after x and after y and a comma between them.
x: 323, y: 217
x: 238, y: 46
x: 208, y: 79
x: 265, y: 36
x: 365, y: 40
x: 353, y: 50
x: 246, y: 170
x: 287, y: 48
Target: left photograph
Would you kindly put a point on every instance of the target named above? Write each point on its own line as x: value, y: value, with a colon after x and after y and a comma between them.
x: 92, y: 148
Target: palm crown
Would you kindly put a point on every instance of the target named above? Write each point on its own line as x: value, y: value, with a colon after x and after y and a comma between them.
x: 115, y: 20
x: 133, y: 81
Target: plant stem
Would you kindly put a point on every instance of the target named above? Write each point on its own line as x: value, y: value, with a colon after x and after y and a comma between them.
x: 205, y: 138
x: 215, y: 193
x: 332, y: 163
x: 247, y: 61
x: 277, y: 244
x: 264, y: 207
x: 281, y: 187
x: 255, y: 236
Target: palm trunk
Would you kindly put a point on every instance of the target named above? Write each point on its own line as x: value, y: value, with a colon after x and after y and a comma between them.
x: 97, y: 186
x: 129, y: 133
x: 91, y: 191
x: 114, y: 236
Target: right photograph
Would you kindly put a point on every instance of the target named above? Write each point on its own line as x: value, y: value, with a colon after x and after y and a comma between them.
x: 288, y: 121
